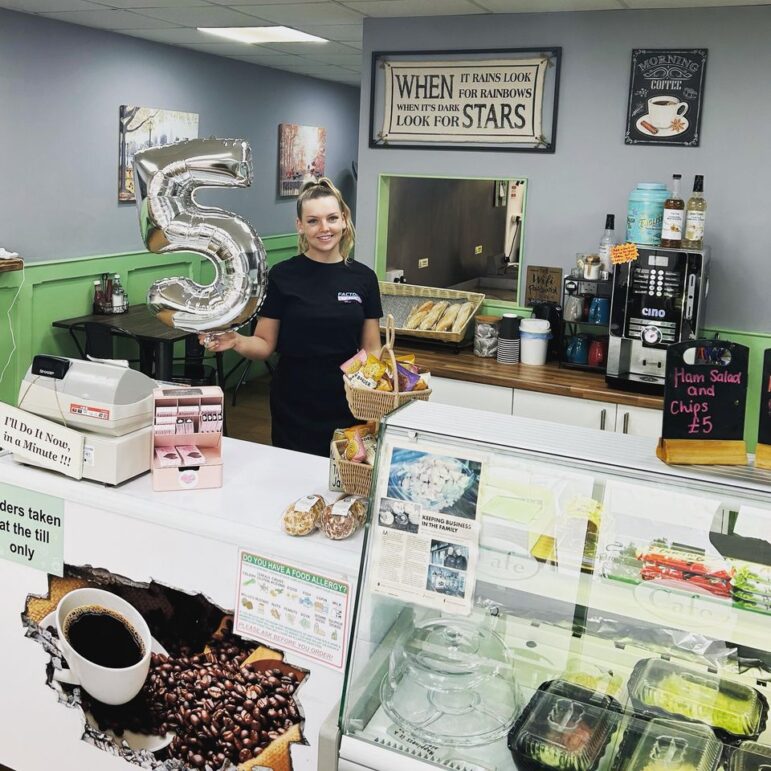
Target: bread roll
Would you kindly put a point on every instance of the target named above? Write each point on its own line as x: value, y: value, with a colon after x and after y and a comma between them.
x: 448, y: 318
x: 433, y: 315
x: 463, y: 316
x: 418, y: 312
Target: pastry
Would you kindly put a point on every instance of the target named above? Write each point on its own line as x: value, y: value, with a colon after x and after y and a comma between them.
x: 464, y: 313
x: 448, y: 318
x: 433, y: 315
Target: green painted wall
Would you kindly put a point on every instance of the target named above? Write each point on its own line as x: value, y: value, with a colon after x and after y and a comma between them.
x: 61, y: 289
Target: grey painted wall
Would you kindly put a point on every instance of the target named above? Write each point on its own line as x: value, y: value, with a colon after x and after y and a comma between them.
x: 60, y: 89
x: 593, y: 171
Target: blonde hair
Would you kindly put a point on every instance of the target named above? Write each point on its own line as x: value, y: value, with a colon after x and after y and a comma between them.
x: 324, y: 188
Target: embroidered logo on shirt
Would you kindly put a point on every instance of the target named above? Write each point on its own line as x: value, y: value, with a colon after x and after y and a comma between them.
x: 348, y: 297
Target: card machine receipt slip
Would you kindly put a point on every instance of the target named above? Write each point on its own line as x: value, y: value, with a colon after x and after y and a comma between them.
x: 109, y: 403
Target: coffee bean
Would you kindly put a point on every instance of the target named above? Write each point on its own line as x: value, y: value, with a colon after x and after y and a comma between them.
x: 244, y: 755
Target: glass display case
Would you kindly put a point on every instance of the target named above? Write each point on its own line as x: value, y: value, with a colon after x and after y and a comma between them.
x: 540, y: 596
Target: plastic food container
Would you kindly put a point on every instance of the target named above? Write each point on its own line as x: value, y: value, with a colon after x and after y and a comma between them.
x: 450, y: 682
x: 750, y: 756
x: 534, y: 335
x: 645, y: 213
x: 669, y: 745
x: 734, y: 710
x: 565, y: 727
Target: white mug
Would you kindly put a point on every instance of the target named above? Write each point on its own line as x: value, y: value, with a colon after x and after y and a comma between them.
x: 106, y: 684
x: 662, y: 110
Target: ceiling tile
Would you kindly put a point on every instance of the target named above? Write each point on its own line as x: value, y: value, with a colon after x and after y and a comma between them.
x: 173, y: 36
x: 311, y: 49
x: 148, y: 4
x: 266, y: 59
x: 43, y: 6
x: 293, y: 14
x: 210, y: 16
x: 545, y: 6
x: 689, y: 3
x: 392, y: 8
x: 342, y: 33
x: 352, y: 61
x: 109, y: 19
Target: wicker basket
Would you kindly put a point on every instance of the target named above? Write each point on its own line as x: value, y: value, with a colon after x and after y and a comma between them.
x: 368, y: 404
x: 399, y: 299
x: 355, y: 478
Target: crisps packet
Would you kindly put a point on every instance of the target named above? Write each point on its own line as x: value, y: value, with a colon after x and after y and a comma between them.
x: 407, y: 378
x: 355, y: 363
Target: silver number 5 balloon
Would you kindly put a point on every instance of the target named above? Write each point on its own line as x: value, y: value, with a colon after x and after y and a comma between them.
x: 166, y: 179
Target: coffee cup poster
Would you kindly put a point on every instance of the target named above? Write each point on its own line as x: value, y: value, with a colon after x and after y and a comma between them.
x: 504, y: 102
x: 665, y: 97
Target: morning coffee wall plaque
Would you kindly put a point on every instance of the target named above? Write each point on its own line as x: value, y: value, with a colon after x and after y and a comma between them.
x: 705, y: 399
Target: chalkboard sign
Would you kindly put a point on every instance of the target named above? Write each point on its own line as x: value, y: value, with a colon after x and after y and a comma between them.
x: 665, y: 97
x: 705, y: 395
x: 764, y: 427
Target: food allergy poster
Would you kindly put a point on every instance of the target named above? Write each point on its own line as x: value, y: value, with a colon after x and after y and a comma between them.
x: 426, y: 527
x: 665, y: 97
x: 467, y: 99
x: 292, y: 608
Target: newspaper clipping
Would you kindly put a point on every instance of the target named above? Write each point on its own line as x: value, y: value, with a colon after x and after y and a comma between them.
x: 426, y: 530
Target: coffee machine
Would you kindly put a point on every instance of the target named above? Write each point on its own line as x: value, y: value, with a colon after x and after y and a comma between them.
x: 657, y: 300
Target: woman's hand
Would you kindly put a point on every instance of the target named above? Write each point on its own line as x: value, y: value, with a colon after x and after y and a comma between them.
x: 217, y: 343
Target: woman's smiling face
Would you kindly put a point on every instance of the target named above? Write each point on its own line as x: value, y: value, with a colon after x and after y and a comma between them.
x: 323, y: 226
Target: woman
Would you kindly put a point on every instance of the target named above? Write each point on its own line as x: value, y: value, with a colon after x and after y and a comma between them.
x: 320, y: 308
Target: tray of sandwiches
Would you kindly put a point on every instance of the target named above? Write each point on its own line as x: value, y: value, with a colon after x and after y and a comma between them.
x: 429, y: 312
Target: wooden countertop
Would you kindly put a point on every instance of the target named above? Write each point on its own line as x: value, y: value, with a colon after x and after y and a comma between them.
x: 549, y: 379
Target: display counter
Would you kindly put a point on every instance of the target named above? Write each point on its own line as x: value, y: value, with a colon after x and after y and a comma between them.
x: 548, y: 379
x: 177, y: 557
x: 556, y: 598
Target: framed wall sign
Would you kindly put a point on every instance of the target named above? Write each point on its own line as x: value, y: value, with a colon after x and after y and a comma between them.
x: 665, y: 96
x: 543, y: 284
x: 495, y: 99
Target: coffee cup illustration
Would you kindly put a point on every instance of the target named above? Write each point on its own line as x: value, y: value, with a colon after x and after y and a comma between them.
x: 106, y: 644
x: 662, y: 110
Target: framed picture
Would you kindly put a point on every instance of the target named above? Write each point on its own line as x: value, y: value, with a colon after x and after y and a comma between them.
x: 492, y: 99
x: 302, y: 156
x: 142, y: 127
x: 665, y: 96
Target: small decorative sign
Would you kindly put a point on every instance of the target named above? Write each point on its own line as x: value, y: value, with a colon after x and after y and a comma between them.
x: 763, y: 451
x: 705, y: 399
x: 482, y: 99
x: 665, y: 97
x: 543, y: 284
x: 41, y: 441
x: 621, y: 253
x: 32, y: 529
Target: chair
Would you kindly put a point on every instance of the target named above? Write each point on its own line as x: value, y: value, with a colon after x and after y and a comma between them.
x: 192, y: 371
x: 246, y: 365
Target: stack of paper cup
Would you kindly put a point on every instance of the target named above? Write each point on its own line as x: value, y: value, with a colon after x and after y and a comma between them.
x: 508, y: 339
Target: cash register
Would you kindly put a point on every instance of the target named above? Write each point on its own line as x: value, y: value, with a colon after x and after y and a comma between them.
x: 109, y: 403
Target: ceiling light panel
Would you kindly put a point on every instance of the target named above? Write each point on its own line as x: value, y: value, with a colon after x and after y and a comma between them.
x: 257, y: 35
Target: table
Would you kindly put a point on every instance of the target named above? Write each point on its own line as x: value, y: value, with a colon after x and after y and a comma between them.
x: 156, y: 340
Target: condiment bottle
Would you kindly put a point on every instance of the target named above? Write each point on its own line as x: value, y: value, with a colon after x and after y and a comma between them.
x: 606, y: 242
x: 674, y: 217
x: 695, y: 213
x: 592, y: 267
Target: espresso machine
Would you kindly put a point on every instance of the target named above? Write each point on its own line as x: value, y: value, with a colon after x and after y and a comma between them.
x: 657, y: 300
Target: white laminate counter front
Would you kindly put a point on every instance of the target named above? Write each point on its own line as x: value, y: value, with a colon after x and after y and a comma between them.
x: 186, y: 540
